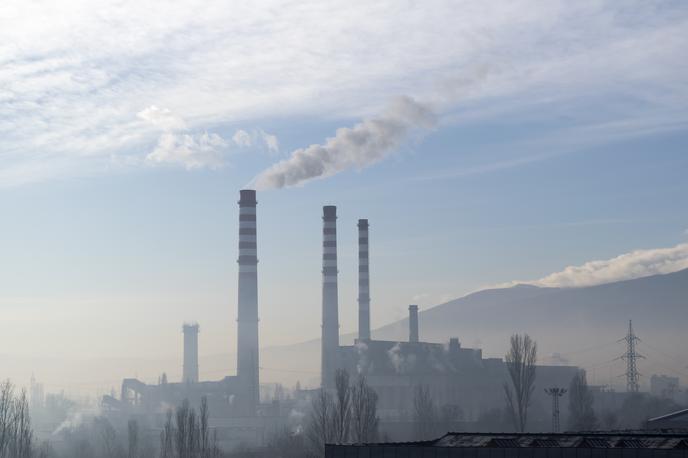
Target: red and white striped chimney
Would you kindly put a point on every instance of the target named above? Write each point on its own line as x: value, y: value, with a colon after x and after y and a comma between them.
x: 363, y: 282
x: 330, y: 300
x: 247, y: 321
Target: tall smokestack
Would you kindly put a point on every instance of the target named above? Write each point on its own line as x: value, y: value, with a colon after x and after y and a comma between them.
x: 247, y: 332
x: 363, y: 282
x: 330, y: 301
x: 413, y: 323
x: 190, y: 369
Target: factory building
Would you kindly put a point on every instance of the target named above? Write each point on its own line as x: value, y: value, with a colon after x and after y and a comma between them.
x: 454, y: 375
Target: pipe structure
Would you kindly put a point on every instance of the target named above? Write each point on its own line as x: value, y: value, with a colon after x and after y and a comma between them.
x: 330, y: 300
x: 413, y: 323
x: 247, y: 320
x: 363, y: 282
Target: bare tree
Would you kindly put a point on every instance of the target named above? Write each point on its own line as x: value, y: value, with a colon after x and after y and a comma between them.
x: 192, y: 433
x: 108, y: 435
x: 186, y: 434
x: 342, y: 417
x: 181, y: 434
x: 16, y: 435
x: 520, y: 363
x: 581, y: 414
x: 424, y: 412
x: 364, y: 419
x: 166, y: 446
x: 203, y: 433
x: 449, y: 415
x: 320, y: 427
x: 133, y: 438
x: 6, y: 414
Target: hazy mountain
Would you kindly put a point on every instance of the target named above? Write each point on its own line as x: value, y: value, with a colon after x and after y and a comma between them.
x: 582, y: 325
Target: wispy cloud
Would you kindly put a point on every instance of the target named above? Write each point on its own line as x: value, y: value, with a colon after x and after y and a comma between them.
x: 75, y: 73
x: 636, y: 264
x: 178, y: 146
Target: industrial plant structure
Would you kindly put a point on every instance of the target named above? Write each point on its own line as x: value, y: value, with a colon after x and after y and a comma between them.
x: 455, y: 375
x: 234, y: 400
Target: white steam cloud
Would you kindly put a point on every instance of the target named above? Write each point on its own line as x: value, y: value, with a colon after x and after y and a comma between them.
x: 636, y: 264
x: 364, y: 144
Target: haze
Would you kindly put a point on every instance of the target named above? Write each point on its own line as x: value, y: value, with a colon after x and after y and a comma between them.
x: 488, y: 145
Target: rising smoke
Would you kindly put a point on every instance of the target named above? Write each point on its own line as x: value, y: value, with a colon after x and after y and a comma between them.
x: 364, y: 144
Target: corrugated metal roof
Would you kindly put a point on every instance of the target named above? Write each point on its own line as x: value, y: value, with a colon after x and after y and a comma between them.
x: 639, y: 440
x: 670, y: 416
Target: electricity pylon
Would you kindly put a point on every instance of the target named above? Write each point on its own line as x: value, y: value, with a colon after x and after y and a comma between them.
x: 631, y: 357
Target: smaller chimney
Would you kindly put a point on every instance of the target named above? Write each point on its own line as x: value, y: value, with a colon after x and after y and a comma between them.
x: 413, y: 323
x: 454, y: 345
x: 190, y: 353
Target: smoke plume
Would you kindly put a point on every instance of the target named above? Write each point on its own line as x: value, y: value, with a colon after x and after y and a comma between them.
x: 358, y: 147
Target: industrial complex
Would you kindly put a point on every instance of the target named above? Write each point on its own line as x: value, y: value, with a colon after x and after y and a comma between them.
x: 455, y: 375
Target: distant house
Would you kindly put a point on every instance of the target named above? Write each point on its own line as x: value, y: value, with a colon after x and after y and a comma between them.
x: 487, y: 445
x: 673, y: 421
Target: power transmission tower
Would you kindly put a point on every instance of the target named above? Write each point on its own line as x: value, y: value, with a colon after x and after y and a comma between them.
x: 631, y: 357
x: 556, y: 393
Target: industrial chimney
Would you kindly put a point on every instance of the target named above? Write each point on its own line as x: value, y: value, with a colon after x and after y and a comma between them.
x: 363, y: 282
x: 190, y: 369
x: 247, y: 332
x: 330, y: 301
x: 413, y: 323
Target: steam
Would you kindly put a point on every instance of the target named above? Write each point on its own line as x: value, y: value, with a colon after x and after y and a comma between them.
x: 73, y: 421
x: 365, y: 144
x: 399, y: 361
x: 363, y: 364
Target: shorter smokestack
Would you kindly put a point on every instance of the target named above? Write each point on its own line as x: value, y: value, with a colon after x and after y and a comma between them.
x: 190, y: 353
x: 413, y: 323
x: 454, y: 345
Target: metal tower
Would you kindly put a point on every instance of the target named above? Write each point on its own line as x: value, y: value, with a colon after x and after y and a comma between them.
x: 556, y: 393
x: 631, y: 357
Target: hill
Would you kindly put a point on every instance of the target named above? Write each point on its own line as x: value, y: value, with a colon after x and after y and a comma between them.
x: 571, y: 325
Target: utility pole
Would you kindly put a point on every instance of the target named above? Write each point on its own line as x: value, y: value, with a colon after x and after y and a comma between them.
x: 556, y: 393
x: 631, y: 357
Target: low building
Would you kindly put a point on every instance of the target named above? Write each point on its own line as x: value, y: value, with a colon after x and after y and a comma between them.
x: 488, y: 445
x: 664, y: 386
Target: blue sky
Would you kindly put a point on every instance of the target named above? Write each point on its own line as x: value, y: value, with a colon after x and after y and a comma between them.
x: 127, y: 130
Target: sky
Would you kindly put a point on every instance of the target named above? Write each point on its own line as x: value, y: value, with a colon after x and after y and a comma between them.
x: 487, y: 144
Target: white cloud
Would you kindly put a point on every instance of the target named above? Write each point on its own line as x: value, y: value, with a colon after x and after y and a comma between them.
x: 162, y: 118
x: 192, y: 152
x: 257, y: 138
x: 75, y: 73
x: 270, y: 140
x: 242, y: 138
x: 636, y: 264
